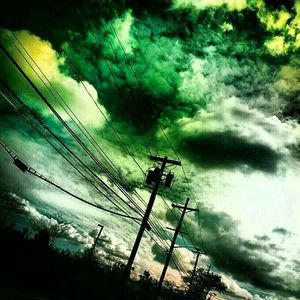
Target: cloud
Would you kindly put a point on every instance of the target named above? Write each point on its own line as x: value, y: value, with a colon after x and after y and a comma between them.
x: 203, y: 4
x: 282, y: 231
x: 263, y: 238
x: 234, y: 288
x: 35, y: 220
x: 137, y: 94
x: 220, y: 76
x: 160, y: 255
x: 48, y: 60
x: 232, y: 135
x: 247, y: 261
x: 227, y: 150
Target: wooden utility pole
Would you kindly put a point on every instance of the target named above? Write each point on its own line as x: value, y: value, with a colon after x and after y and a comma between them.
x: 164, y: 161
x: 198, y: 252
x: 96, y: 239
x: 184, y: 209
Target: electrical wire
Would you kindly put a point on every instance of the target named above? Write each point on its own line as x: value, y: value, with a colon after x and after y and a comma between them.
x: 51, y: 143
x: 69, y: 161
x: 46, y: 103
x: 42, y: 177
x: 143, y: 201
x: 117, y: 59
x: 43, y: 98
x: 128, y: 62
x: 81, y: 127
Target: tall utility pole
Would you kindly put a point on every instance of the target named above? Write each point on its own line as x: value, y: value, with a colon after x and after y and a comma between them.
x: 96, y: 239
x: 198, y: 252
x: 164, y: 161
x: 184, y: 209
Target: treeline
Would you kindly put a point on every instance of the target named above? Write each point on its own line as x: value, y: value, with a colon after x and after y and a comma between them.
x: 31, y: 267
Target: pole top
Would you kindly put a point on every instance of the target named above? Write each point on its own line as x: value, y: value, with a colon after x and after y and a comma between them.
x: 198, y: 250
x: 169, y: 161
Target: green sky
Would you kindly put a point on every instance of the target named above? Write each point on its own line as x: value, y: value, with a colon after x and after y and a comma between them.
x: 215, y: 83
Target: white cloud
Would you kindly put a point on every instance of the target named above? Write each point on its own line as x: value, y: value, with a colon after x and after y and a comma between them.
x: 234, y: 288
x: 49, y: 61
x: 232, y: 114
x: 202, y: 4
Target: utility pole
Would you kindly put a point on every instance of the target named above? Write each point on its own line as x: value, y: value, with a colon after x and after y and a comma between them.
x: 156, y: 177
x: 204, y: 280
x: 198, y: 252
x: 96, y: 239
x: 184, y: 209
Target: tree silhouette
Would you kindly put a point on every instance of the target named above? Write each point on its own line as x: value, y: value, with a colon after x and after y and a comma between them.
x: 10, y: 205
x: 53, y: 229
x: 204, y: 282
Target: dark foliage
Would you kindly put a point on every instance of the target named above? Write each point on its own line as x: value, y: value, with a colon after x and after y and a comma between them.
x: 204, y: 281
x: 10, y: 206
x: 32, y: 269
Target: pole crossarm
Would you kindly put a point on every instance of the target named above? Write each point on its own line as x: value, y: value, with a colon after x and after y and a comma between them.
x: 168, y: 161
x: 188, y: 209
x: 181, y: 232
x: 198, y: 250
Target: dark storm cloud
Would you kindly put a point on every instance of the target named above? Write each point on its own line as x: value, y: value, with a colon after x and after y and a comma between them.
x: 164, y: 42
x: 218, y: 236
x: 263, y: 238
x: 296, y: 265
x: 140, y: 98
x: 261, y: 246
x: 282, y: 231
x: 51, y: 20
x: 160, y: 255
x: 278, y: 4
x: 228, y: 151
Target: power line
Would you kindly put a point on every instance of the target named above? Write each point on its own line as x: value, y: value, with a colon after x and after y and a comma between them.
x: 71, y: 114
x: 138, y: 81
x: 178, y: 264
x: 51, y: 143
x: 90, y: 95
x: 118, y: 137
x: 42, y: 177
x: 27, y: 108
x: 42, y: 97
x: 84, y: 131
x: 60, y: 97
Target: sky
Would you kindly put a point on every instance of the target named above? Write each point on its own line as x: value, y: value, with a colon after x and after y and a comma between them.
x: 212, y: 83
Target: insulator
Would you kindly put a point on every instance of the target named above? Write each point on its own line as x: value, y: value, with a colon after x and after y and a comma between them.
x: 168, y: 180
x: 20, y: 164
x: 152, y: 176
x: 149, y: 177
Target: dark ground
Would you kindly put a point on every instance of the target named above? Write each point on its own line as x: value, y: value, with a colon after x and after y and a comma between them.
x: 31, y: 269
